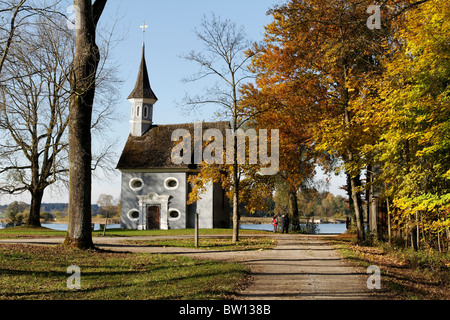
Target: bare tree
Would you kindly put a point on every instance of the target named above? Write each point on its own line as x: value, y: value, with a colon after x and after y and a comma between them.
x: 15, y: 17
x: 34, y: 112
x: 83, y: 84
x: 108, y: 206
x: 8, y: 26
x: 224, y: 58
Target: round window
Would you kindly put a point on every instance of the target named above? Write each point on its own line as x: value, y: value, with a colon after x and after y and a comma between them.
x: 133, y: 214
x: 171, y: 183
x: 174, y: 214
x: 136, y: 184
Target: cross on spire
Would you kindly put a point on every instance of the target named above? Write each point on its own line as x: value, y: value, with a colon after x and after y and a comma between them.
x: 143, y: 27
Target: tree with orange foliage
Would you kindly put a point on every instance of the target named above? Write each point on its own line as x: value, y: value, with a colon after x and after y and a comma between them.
x: 314, y: 59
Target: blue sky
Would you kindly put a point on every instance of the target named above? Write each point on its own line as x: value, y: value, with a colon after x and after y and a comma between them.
x: 170, y: 35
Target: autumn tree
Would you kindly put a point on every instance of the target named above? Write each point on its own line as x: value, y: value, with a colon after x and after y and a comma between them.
x: 412, y: 109
x: 267, y: 110
x: 313, y: 60
x: 83, y: 85
x: 223, y: 57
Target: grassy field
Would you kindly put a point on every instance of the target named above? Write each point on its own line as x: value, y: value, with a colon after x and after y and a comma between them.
x: 211, y: 243
x: 30, y: 232
x: 39, y: 273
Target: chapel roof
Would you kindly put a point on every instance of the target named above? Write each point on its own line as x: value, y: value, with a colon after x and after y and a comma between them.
x: 154, y: 149
x: 142, y: 89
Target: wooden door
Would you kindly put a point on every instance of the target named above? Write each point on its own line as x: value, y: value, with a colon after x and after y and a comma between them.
x: 153, y: 217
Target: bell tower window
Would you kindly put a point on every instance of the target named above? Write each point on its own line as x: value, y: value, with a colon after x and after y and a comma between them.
x: 138, y: 111
x: 145, y: 112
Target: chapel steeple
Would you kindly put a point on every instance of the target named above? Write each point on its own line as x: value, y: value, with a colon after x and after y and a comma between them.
x: 142, y: 89
x: 142, y: 99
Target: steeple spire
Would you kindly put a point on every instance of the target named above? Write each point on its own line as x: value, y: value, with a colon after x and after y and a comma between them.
x: 142, y: 89
x: 142, y: 99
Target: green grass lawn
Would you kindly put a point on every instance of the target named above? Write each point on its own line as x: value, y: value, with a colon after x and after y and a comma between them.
x: 210, y: 243
x: 31, y: 232
x: 181, y: 232
x: 39, y: 272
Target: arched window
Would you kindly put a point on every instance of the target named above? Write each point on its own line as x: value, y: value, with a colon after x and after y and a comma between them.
x: 145, y: 111
x: 138, y: 111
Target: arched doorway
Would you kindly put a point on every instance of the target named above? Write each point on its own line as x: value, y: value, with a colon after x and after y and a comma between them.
x: 154, y: 212
x: 153, y: 217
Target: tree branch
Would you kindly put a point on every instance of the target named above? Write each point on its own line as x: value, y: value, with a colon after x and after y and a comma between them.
x: 97, y: 10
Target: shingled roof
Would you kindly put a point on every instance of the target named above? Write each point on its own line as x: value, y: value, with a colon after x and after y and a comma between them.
x: 154, y: 149
x: 142, y: 88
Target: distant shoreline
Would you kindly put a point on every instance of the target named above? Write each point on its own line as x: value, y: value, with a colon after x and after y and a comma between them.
x: 94, y: 221
x: 268, y: 220
x: 244, y: 220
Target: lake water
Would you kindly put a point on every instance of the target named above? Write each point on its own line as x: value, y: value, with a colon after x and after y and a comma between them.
x: 63, y: 226
x: 324, y: 228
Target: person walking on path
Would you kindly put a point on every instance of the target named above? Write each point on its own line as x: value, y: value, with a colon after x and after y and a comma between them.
x: 275, y: 223
x: 284, y: 223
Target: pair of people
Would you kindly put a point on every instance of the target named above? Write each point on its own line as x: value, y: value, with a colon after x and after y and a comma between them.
x: 284, y: 223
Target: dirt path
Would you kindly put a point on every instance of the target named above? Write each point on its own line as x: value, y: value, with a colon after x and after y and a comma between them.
x: 300, y: 267
x: 305, y: 268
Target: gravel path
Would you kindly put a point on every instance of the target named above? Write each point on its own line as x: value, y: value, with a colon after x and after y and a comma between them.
x: 305, y: 268
x: 299, y: 268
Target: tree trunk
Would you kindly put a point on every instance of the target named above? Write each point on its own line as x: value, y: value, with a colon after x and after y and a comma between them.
x: 35, y: 208
x: 417, y: 232
x: 414, y: 236
x: 349, y: 192
x: 357, y: 206
x: 36, y: 192
x: 79, y: 233
x: 448, y: 239
x: 389, y: 220
x: 372, y: 207
x: 86, y: 60
x: 349, y: 157
x: 294, y: 210
x: 236, y: 216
